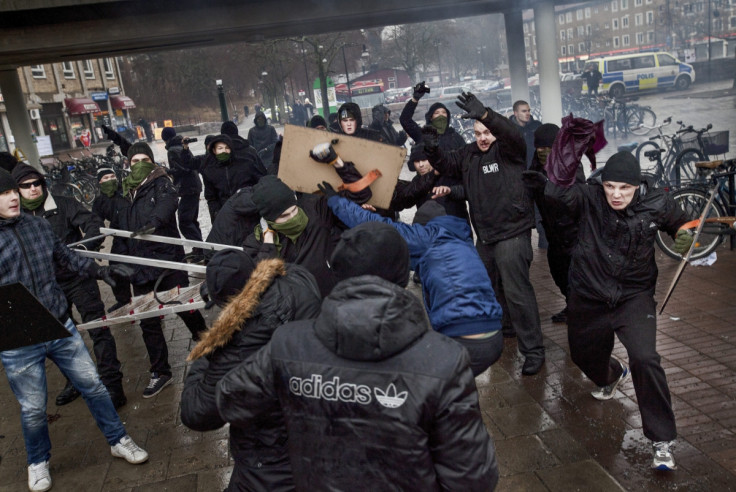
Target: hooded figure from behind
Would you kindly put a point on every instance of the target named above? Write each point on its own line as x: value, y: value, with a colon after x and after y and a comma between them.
x: 262, y: 134
x: 368, y: 378
x: 255, y: 301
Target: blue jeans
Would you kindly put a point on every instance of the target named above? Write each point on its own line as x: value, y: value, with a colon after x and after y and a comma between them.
x: 26, y: 372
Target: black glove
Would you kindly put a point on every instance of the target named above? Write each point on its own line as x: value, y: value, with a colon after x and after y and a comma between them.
x: 471, y: 105
x: 324, y: 153
x: 327, y: 189
x: 534, y: 180
x: 204, y: 292
x: 420, y: 90
x: 430, y: 139
x: 106, y: 273
x: 146, y: 229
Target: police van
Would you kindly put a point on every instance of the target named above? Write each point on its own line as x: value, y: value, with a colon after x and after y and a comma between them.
x: 640, y: 71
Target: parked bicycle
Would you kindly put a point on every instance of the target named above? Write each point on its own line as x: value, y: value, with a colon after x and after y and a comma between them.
x: 718, y: 178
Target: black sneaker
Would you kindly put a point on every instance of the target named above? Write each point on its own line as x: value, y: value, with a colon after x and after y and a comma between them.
x: 68, y: 394
x: 156, y: 384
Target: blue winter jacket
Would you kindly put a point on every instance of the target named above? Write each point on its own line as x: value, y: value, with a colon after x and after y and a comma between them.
x: 455, y: 285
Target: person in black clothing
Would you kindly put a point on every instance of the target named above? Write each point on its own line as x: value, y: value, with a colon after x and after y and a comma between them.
x: 592, y: 77
x: 502, y: 214
x: 153, y: 211
x: 318, y: 123
x: 186, y: 182
x: 334, y: 123
x: 111, y: 206
x: 262, y: 135
x: 146, y: 129
x: 370, y: 394
x: 70, y: 221
x: 255, y: 300
x: 613, y: 276
x: 437, y: 116
x: 350, y: 122
x: 7, y: 161
x: 235, y: 221
x: 382, y: 124
x: 225, y: 172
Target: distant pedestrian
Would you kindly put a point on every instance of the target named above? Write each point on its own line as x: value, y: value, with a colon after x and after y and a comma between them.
x: 592, y: 77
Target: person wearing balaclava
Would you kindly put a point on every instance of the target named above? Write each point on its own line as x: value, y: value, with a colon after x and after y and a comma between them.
x: 613, y: 275
x: 71, y: 222
x: 382, y: 124
x: 153, y: 211
x: 343, y: 377
x: 350, y: 121
x: 262, y: 135
x: 225, y: 172
x: 438, y: 116
x: 304, y: 230
x: 560, y: 228
x: 255, y: 301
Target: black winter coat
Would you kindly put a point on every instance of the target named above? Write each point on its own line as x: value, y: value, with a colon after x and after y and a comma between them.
x: 154, y: 202
x: 261, y: 137
x: 223, y: 179
x: 259, y: 448
x: 416, y: 192
x: 500, y: 205
x: 372, y: 397
x: 614, y: 257
x: 186, y: 180
x: 115, y: 210
x: 528, y: 132
x: 69, y: 219
x: 450, y: 140
x: 388, y: 133
x: 235, y: 221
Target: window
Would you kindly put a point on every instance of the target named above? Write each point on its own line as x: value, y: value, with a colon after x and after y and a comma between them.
x: 614, y: 6
x: 615, y: 24
x: 561, y: 19
x: 732, y: 22
x: 639, y: 19
x: 581, y: 48
x: 568, y: 17
x: 526, y: 28
x: 526, y: 42
x: 637, y: 3
x: 639, y: 38
x: 570, y: 35
x: 666, y: 60
x: 650, y: 17
x: 625, y: 40
x: 616, y: 43
x: 587, y: 12
x: 624, y: 4
x: 89, y: 71
x: 581, y: 31
x: 579, y: 14
x: 109, y: 72
x: 588, y: 30
x: 570, y: 49
x: 624, y: 21
x: 619, y: 65
x: 643, y: 62
x: 562, y: 34
x: 650, y: 36
x: 38, y: 72
x: 564, y: 49
x: 68, y: 69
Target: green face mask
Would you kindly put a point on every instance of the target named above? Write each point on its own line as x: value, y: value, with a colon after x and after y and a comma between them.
x: 34, y: 203
x: 138, y: 172
x: 108, y: 188
x: 440, y: 123
x: 222, y: 157
x: 542, y: 154
x: 293, y: 227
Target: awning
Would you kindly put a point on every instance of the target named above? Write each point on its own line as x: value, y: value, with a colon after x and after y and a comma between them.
x: 121, y: 102
x: 81, y: 105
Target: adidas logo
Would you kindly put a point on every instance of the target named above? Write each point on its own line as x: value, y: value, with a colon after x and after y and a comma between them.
x: 335, y: 390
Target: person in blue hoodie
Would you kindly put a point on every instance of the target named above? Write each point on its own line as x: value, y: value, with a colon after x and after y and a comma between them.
x: 457, y: 291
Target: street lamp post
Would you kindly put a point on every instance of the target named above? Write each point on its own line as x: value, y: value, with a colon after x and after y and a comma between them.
x: 347, y: 75
x: 221, y: 96
x: 306, y: 73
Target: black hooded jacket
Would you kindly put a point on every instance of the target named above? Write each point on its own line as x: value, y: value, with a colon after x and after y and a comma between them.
x: 500, y: 205
x: 260, y: 137
x: 186, y: 180
x: 386, y: 127
x: 370, y: 395
x: 450, y: 140
x: 260, y: 446
x: 360, y: 132
x: 235, y: 221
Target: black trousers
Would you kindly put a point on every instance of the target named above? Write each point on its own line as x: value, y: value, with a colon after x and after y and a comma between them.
x: 559, y: 266
x: 84, y: 293
x: 187, y: 213
x: 121, y: 291
x: 591, y: 327
x: 153, y: 335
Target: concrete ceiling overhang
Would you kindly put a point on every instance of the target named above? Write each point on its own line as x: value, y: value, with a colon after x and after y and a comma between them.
x: 44, y: 31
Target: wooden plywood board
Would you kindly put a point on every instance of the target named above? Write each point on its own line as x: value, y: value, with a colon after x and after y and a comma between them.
x: 301, y: 173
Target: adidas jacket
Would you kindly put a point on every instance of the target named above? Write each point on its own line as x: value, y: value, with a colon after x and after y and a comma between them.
x: 371, y: 396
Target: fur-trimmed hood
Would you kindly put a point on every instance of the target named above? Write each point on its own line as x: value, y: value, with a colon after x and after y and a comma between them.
x: 240, y: 308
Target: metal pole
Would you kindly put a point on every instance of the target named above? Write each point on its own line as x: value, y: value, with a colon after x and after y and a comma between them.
x: 710, y: 24
x: 223, y: 105
x: 306, y: 74
x: 439, y: 65
x: 347, y: 76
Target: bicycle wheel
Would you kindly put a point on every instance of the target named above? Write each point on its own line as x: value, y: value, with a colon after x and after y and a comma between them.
x: 688, y: 173
x: 693, y: 201
x: 640, y: 121
x: 68, y: 190
x: 644, y: 162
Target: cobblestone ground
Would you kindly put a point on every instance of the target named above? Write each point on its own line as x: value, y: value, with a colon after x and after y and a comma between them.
x: 550, y: 434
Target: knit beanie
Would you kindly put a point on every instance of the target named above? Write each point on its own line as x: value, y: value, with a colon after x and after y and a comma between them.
x: 316, y: 121
x: 168, y: 133
x: 271, y: 197
x: 622, y: 167
x: 7, y: 161
x: 428, y: 211
x: 140, y: 148
x: 104, y: 171
x: 22, y: 172
x: 7, y: 182
x: 372, y: 248
x: 545, y: 135
x: 227, y: 273
x: 229, y: 128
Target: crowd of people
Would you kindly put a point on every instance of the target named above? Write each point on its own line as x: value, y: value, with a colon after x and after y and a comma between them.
x: 328, y: 370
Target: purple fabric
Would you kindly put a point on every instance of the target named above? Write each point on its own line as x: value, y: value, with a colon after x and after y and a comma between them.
x: 576, y: 137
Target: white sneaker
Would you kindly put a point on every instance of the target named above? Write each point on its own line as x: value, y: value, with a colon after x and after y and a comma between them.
x: 39, y: 478
x: 607, y: 392
x: 129, y: 450
x: 662, y: 457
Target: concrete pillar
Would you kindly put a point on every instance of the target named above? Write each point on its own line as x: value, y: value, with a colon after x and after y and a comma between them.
x: 517, y: 55
x: 18, y: 117
x: 549, y: 72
